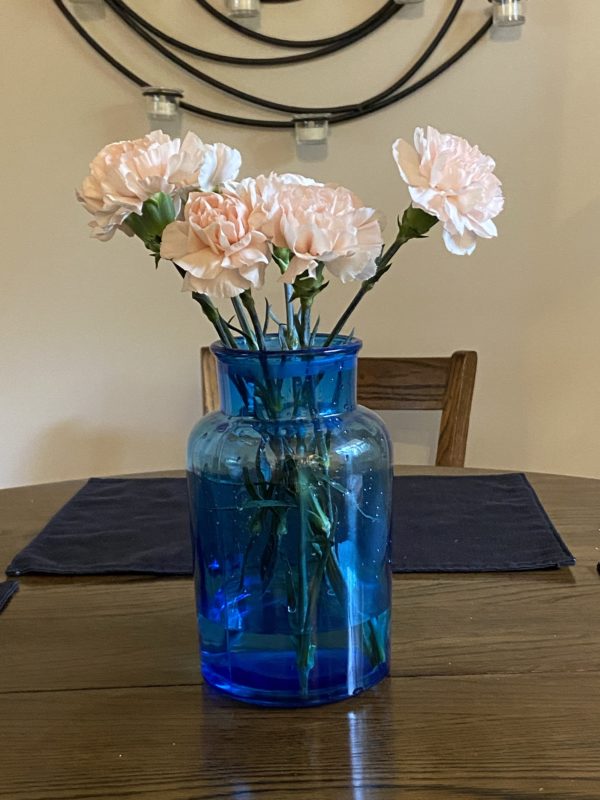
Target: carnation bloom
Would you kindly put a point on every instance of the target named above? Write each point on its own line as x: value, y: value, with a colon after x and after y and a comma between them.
x: 317, y: 223
x: 126, y: 174
x: 452, y: 180
x: 263, y: 195
x: 220, y: 163
x: 216, y: 246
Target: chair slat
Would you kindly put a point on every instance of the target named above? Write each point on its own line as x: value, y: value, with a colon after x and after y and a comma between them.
x: 402, y: 383
x: 210, y: 388
x: 454, y: 426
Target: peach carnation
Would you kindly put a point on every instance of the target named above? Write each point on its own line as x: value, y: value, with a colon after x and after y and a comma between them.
x: 125, y: 174
x: 216, y: 246
x: 317, y: 223
x: 452, y: 180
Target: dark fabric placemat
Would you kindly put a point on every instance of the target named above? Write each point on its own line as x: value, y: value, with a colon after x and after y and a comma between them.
x: 440, y: 524
x: 115, y: 525
x: 474, y: 523
x: 7, y: 589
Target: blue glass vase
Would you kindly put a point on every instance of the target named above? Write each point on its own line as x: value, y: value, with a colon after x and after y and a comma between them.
x: 290, y: 493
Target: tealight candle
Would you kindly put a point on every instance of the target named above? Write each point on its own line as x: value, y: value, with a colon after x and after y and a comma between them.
x: 311, y: 130
x: 162, y: 108
x: 161, y: 102
x: 508, y: 13
x: 243, y: 8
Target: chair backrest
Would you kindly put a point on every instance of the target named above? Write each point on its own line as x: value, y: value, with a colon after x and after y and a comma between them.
x: 443, y: 384
x: 390, y: 384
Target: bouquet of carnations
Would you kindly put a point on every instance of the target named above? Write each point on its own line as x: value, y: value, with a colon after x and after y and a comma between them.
x: 290, y: 483
x: 184, y: 201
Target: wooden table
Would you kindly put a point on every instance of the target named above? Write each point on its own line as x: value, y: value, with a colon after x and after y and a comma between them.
x: 495, y: 688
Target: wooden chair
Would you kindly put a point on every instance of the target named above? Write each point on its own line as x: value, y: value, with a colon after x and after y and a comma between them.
x: 391, y: 384
x: 446, y: 384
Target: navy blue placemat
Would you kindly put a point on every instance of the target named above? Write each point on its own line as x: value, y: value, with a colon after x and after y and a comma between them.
x: 475, y: 523
x: 113, y: 525
x: 440, y: 524
x: 7, y: 589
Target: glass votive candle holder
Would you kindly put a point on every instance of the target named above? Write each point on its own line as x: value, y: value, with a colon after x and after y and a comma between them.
x: 508, y: 13
x: 310, y: 129
x: 243, y: 9
x: 163, y: 109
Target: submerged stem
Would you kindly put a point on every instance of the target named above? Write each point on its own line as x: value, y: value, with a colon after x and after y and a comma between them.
x: 303, y: 655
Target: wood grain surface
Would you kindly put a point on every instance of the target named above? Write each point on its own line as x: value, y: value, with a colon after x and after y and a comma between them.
x: 495, y: 687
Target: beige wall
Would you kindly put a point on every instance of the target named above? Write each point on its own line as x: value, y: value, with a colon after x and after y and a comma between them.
x: 100, y: 352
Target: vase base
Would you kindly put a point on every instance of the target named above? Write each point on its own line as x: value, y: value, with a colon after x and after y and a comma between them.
x: 279, y: 691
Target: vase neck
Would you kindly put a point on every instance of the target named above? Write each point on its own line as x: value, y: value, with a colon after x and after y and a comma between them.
x: 286, y: 385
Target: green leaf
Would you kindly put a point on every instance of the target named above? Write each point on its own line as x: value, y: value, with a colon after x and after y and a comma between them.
x: 337, y: 486
x: 314, y: 332
x: 250, y: 488
x: 319, y: 513
x: 267, y: 317
x: 233, y: 327
x: 274, y: 317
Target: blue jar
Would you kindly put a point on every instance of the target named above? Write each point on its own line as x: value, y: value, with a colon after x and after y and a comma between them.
x: 290, y: 493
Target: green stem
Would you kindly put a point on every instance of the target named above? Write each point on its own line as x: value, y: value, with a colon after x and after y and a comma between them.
x: 212, y: 313
x: 330, y: 565
x: 303, y: 593
x: 367, y: 285
x: 248, y: 335
x: 250, y: 307
x: 320, y: 442
x: 305, y: 305
x: 292, y: 337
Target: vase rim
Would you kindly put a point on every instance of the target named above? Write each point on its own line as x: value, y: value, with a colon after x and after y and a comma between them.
x: 341, y: 345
